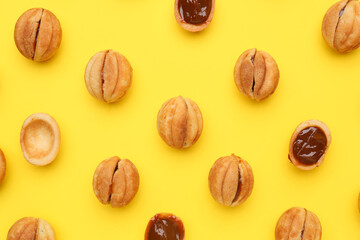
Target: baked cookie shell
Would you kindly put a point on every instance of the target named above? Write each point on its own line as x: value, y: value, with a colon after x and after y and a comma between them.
x: 40, y: 139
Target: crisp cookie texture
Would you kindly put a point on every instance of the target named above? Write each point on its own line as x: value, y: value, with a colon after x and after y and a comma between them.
x: 192, y: 27
x: 30, y: 228
x: 2, y: 166
x: 299, y: 128
x: 341, y: 26
x: 116, y: 181
x: 231, y: 180
x: 40, y: 139
x: 108, y: 76
x: 256, y: 74
x: 38, y: 34
x: 180, y: 122
x: 298, y: 224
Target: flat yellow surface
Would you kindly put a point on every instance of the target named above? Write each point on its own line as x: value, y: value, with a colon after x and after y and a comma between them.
x: 314, y: 82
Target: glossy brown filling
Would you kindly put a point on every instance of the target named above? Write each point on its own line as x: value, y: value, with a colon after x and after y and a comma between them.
x: 195, y: 12
x: 165, y: 227
x: 309, y: 145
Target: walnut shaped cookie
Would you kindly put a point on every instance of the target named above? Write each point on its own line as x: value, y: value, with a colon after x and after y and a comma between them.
x: 108, y: 76
x: 341, y: 26
x: 256, y: 74
x: 38, y: 34
x: 116, y: 181
x: 180, y: 122
x: 231, y: 180
x: 298, y: 223
x: 30, y: 228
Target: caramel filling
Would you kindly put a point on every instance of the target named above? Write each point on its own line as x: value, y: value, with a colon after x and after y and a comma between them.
x: 309, y: 145
x: 165, y: 228
x: 195, y: 12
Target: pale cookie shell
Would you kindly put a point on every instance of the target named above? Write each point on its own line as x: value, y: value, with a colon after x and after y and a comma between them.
x: 298, y: 224
x: 224, y: 180
x: 116, y: 181
x: 180, y: 122
x: 40, y: 139
x: 30, y: 228
x: 299, y: 128
x: 191, y: 27
x: 2, y: 166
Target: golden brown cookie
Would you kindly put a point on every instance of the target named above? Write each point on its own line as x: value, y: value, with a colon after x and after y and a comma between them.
x: 180, y: 122
x: 231, y: 180
x: 38, y: 34
x: 341, y: 26
x: 108, y: 76
x: 116, y: 181
x: 298, y: 223
x: 256, y: 74
x: 30, y: 228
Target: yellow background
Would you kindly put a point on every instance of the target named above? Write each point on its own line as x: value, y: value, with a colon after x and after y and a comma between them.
x: 315, y: 82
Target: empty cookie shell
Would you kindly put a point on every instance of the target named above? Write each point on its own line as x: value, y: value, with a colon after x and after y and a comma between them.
x: 309, y: 144
x: 40, y: 139
x: 165, y: 226
x: 30, y: 228
x: 194, y: 15
x: 2, y: 166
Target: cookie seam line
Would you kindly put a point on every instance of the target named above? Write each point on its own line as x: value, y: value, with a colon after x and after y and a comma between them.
x: 112, y: 179
x: 341, y: 13
x: 37, y: 33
